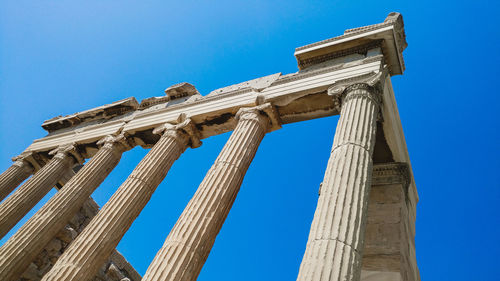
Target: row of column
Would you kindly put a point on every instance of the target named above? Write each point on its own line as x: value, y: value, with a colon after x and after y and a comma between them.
x: 334, y: 243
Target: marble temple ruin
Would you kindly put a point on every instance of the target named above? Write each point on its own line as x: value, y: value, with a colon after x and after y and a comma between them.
x: 364, y: 224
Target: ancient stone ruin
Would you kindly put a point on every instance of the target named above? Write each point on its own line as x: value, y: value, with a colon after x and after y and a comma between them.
x: 364, y: 224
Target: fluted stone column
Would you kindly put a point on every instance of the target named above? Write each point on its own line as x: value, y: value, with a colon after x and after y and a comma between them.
x: 33, y: 236
x: 16, y: 206
x: 335, y: 241
x: 14, y: 175
x: 191, y: 239
x: 92, y: 247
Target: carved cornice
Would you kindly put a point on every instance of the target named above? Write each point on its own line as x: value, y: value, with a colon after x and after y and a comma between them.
x: 180, y: 90
x: 284, y: 88
x: 394, y: 18
x: 390, y: 32
x: 362, y: 49
x: 107, y: 111
x: 256, y: 85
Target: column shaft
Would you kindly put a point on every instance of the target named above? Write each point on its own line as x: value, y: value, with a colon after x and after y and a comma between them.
x: 191, y: 239
x: 13, y: 176
x: 335, y: 241
x: 16, y: 206
x: 17, y: 253
x: 92, y: 247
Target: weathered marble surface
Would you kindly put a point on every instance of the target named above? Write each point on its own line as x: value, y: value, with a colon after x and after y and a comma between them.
x: 191, y: 239
x: 116, y: 268
x: 17, y: 205
x: 335, y: 244
x: 96, y: 243
x: 389, y: 248
x: 389, y: 251
x: 30, y: 239
x: 13, y: 176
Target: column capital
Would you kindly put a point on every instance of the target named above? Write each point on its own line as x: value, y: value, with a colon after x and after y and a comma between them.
x: 68, y: 150
x: 123, y: 143
x: 23, y: 160
x: 372, y: 83
x: 266, y: 114
x: 184, y: 130
x: 35, y: 160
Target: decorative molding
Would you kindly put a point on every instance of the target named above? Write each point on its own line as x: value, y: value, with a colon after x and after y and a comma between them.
x: 24, y: 159
x: 256, y: 85
x: 369, y: 91
x: 68, y: 150
x: 149, y: 102
x: 362, y: 49
x: 373, y: 83
x: 390, y: 33
x: 180, y: 90
x: 186, y: 127
x: 125, y: 143
x: 141, y: 120
x: 306, y: 74
x: 264, y: 109
x: 395, y: 19
x: 391, y: 173
x: 107, y: 111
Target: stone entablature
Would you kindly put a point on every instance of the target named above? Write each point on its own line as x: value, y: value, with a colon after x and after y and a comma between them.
x: 214, y: 113
x: 389, y: 35
x: 363, y: 227
x: 104, y: 112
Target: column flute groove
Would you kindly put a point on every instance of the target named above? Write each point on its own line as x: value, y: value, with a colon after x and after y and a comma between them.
x: 92, y: 247
x: 16, y: 206
x: 17, y: 253
x: 14, y: 175
x: 192, y: 237
x: 333, y: 251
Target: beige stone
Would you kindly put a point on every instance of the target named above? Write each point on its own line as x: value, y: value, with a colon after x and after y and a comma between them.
x: 40, y: 229
x: 388, y: 239
x: 13, y: 176
x: 335, y: 241
x: 190, y: 241
x: 341, y: 66
x: 13, y: 209
x: 45, y: 260
x: 96, y: 243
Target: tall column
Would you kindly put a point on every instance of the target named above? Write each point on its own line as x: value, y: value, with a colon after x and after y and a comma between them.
x: 16, y: 206
x: 14, y: 175
x: 39, y: 230
x: 191, y: 239
x: 333, y: 250
x: 92, y: 247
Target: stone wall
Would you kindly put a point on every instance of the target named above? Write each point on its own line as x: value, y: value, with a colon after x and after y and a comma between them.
x: 115, y: 269
x: 389, y: 251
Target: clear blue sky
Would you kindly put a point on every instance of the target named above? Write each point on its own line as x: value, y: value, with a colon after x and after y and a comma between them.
x: 60, y: 57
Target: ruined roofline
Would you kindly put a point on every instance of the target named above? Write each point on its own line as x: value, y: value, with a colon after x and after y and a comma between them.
x: 390, y: 34
x: 106, y: 111
x: 354, y: 41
